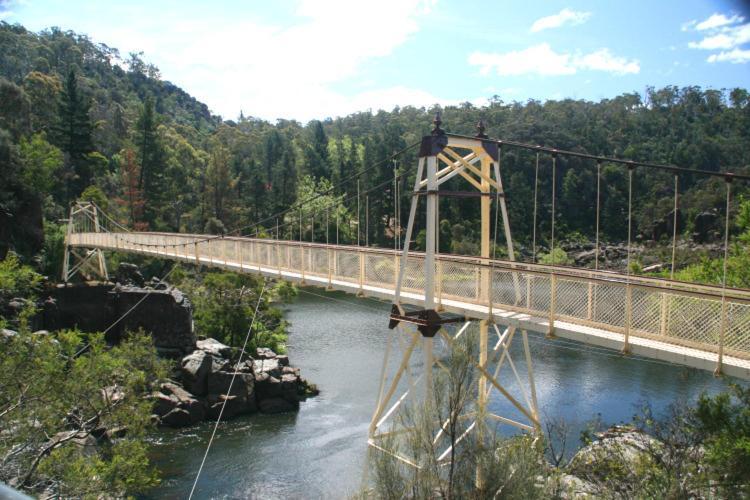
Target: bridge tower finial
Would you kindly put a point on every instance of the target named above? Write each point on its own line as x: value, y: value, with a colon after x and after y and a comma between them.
x: 437, y: 121
x: 480, y: 130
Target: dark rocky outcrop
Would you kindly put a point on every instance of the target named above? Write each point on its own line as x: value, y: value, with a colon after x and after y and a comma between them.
x: 212, y: 378
x: 166, y: 313
x: 706, y: 227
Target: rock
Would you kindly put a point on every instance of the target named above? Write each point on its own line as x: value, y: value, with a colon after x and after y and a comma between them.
x: 583, y: 258
x: 214, y: 347
x: 234, y: 406
x: 117, y: 432
x: 129, y: 274
x: 267, y: 386
x: 574, y: 487
x: 173, y: 401
x: 664, y: 227
x: 86, y: 441
x: 615, y: 454
x: 653, y: 268
x: 264, y: 353
x: 6, y: 334
x: 283, y: 359
x: 277, y: 405
x: 243, y: 385
x: 219, y: 364
x: 112, y: 394
x: 705, y: 225
x: 269, y: 366
x: 178, y: 417
x: 194, y: 371
x: 290, y: 369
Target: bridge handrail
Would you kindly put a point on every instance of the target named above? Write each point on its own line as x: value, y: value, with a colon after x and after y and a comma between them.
x: 714, y: 292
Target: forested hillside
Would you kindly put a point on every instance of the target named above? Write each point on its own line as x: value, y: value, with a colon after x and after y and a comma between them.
x: 77, y: 119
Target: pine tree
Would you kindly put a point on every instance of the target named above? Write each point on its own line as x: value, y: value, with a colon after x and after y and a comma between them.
x: 151, y: 157
x: 73, y: 133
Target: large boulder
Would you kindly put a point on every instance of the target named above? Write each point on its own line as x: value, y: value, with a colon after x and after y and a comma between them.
x: 214, y: 347
x: 176, y: 407
x: 264, y: 353
x: 241, y: 395
x: 614, y: 457
x: 129, y: 274
x: 233, y: 406
x: 705, y: 226
x: 194, y: 371
x: 270, y: 366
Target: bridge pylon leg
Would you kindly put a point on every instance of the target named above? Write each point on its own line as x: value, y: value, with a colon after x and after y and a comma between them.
x: 467, y: 358
x: 80, y: 256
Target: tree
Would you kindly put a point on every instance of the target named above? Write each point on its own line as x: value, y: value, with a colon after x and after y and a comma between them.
x: 41, y: 162
x: 14, y: 112
x: 132, y: 194
x: 151, y: 159
x: 219, y: 180
x: 43, y: 91
x: 316, y: 153
x: 73, y: 131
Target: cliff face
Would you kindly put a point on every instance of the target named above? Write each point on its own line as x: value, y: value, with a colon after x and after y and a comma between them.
x: 166, y: 313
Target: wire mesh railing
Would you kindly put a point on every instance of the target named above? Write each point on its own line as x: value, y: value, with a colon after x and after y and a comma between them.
x: 692, y: 315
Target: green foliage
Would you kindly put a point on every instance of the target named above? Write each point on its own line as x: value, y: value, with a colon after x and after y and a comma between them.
x: 224, y: 305
x: 725, y: 421
x: 508, y: 467
x: 95, y: 195
x: 41, y: 162
x: 738, y: 260
x: 557, y: 257
x: 53, y: 250
x: 17, y: 279
x: 79, y: 420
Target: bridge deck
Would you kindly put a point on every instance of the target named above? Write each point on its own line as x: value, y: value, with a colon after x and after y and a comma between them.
x: 688, y: 324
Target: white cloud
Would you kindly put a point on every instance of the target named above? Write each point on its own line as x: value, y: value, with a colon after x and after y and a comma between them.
x: 736, y: 56
x: 688, y: 25
x: 565, y: 16
x: 543, y: 60
x: 5, y: 14
x: 717, y: 21
x: 727, y: 39
x: 273, y: 71
x: 725, y: 34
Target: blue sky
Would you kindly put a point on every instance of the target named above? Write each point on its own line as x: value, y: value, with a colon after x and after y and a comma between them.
x: 308, y: 59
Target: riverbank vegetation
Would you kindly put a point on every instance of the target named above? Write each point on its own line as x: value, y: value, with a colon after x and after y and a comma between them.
x: 74, y: 411
x: 225, y: 306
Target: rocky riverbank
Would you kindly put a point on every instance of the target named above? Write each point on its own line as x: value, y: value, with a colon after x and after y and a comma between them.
x: 207, y: 374
x: 212, y: 376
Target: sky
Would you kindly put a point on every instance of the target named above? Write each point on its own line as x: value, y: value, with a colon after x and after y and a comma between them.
x: 314, y: 59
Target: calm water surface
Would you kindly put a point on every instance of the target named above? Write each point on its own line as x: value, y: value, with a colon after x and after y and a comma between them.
x: 338, y: 341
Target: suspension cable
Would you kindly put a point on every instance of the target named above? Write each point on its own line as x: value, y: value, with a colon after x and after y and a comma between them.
x: 536, y: 189
x: 630, y: 213
x: 554, y: 186
x: 674, y: 227
x: 598, y: 211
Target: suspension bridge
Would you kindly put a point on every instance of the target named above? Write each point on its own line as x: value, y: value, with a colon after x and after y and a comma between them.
x: 689, y: 324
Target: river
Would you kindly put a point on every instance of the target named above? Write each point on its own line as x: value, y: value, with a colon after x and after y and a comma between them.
x: 338, y: 342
